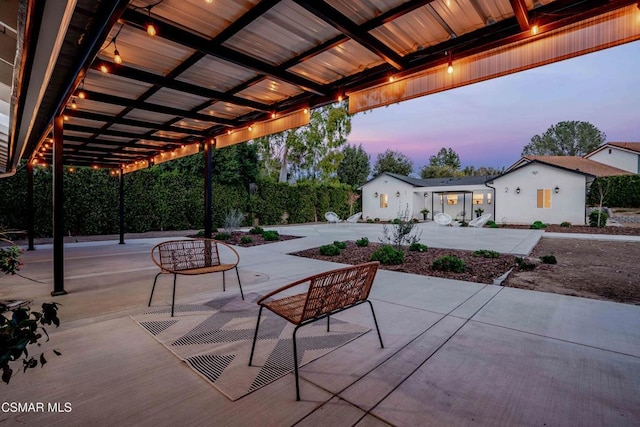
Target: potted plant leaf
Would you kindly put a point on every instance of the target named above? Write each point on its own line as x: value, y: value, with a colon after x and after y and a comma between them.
x: 425, y: 213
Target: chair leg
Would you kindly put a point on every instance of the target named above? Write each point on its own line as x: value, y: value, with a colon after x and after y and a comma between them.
x: 328, y: 317
x: 295, y: 362
x: 224, y: 286
x: 173, y: 298
x: 153, y: 288
x: 376, y: 323
x: 239, y: 284
x: 255, y: 336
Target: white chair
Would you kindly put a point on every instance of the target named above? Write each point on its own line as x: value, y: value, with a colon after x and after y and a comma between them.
x: 442, y: 219
x: 479, y: 222
x: 332, y: 217
x: 353, y: 219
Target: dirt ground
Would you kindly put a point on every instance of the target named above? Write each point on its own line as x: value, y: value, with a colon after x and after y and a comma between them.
x: 606, y: 270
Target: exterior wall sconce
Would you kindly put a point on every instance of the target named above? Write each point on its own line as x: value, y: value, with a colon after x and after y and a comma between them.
x: 375, y: 194
x: 426, y: 195
x: 518, y: 190
x: 557, y: 189
x: 397, y: 194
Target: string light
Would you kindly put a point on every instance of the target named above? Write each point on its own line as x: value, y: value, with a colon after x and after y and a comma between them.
x: 273, y: 115
x: 104, y: 68
x: 534, y: 29
x: 74, y: 105
x: 151, y: 29
x: 81, y: 93
x: 339, y: 98
x: 250, y: 128
x: 392, y: 79
x: 450, y: 66
x: 116, y: 55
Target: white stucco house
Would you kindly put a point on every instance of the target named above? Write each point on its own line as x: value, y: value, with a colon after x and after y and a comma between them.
x: 622, y: 155
x: 388, y: 195
x: 551, y: 189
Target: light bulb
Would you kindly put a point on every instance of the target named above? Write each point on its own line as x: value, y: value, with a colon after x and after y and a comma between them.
x: 151, y: 30
x: 450, y: 68
x: 273, y: 115
x: 339, y: 98
x: 82, y: 95
x: 104, y: 68
x: 534, y: 29
x: 116, y: 57
x: 74, y: 106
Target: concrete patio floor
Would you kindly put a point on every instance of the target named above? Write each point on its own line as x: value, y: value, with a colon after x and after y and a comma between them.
x: 456, y: 353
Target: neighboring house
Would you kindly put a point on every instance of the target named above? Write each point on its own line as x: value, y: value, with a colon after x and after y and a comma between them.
x: 551, y: 189
x: 623, y: 155
x: 389, y: 195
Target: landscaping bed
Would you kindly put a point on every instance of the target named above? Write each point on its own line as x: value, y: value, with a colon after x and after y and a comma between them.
x: 479, y: 270
x: 585, y: 229
x: 236, y: 238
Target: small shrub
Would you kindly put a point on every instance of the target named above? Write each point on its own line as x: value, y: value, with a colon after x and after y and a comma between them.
x: 340, y: 245
x: 388, y: 255
x: 369, y: 221
x: 593, y: 218
x: 222, y: 236
x: 10, y: 260
x: 362, y: 242
x: 329, y: 250
x: 376, y: 219
x: 464, y: 224
x: 233, y: 220
x: 486, y: 253
x: 418, y: 247
x: 449, y: 263
x: 538, y: 225
x: 200, y: 233
x: 256, y: 230
x: 490, y: 223
x: 246, y: 240
x: 523, y: 264
x: 271, y: 235
x: 395, y: 221
x: 565, y: 224
x: 494, y: 225
x: 548, y: 259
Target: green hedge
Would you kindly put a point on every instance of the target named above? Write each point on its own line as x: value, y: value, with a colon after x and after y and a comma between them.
x: 161, y: 199
x: 620, y: 191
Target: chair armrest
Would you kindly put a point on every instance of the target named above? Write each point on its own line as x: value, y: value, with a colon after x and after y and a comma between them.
x: 228, y: 246
x: 285, y: 287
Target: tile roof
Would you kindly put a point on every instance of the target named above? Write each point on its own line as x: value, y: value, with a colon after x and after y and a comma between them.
x: 576, y: 163
x: 632, y: 146
x: 442, y: 182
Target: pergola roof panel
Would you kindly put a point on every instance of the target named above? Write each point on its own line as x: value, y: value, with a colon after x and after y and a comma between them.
x: 361, y: 11
x: 216, y: 74
x: 341, y: 61
x: 193, y: 123
x: 282, y: 33
x: 141, y: 51
x: 127, y: 128
x: 459, y: 15
x: 270, y: 91
x: 226, y: 110
x: 207, y: 19
x: 149, y: 116
x: 175, y: 99
x: 96, y: 81
x: 98, y: 107
x: 412, y: 32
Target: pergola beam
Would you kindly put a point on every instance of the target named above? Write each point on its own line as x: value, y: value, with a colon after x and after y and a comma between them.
x: 522, y: 15
x: 131, y: 122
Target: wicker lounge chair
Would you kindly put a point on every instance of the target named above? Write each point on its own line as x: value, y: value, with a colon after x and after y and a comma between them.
x: 327, y: 294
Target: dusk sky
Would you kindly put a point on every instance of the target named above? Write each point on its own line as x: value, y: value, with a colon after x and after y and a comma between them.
x: 489, y: 123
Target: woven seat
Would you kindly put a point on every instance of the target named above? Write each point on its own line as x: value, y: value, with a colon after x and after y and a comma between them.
x: 328, y: 293
x: 192, y: 257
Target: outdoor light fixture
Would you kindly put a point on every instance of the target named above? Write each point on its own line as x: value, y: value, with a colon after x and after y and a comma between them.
x: 518, y: 190
x: 74, y: 105
x: 557, y: 189
x: 104, y: 69
x: 397, y: 194
x: 426, y: 194
x: 375, y: 194
x: 116, y: 55
x: 534, y: 29
x: 450, y: 67
x: 151, y: 29
x: 81, y: 93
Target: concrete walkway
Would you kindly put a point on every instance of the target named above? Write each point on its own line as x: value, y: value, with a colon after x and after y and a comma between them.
x: 456, y: 353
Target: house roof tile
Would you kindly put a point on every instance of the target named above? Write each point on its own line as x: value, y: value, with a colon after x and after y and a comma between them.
x: 631, y: 146
x: 442, y: 182
x: 580, y: 164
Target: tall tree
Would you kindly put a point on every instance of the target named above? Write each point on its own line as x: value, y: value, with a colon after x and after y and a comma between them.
x: 355, y: 167
x: 445, y: 157
x: 394, y: 162
x: 309, y: 152
x: 430, y: 171
x: 481, y: 171
x: 572, y: 138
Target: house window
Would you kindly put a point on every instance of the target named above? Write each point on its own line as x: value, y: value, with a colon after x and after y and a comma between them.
x: 478, y: 198
x: 544, y: 198
x: 452, y: 199
x: 384, y: 200
x: 488, y: 198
